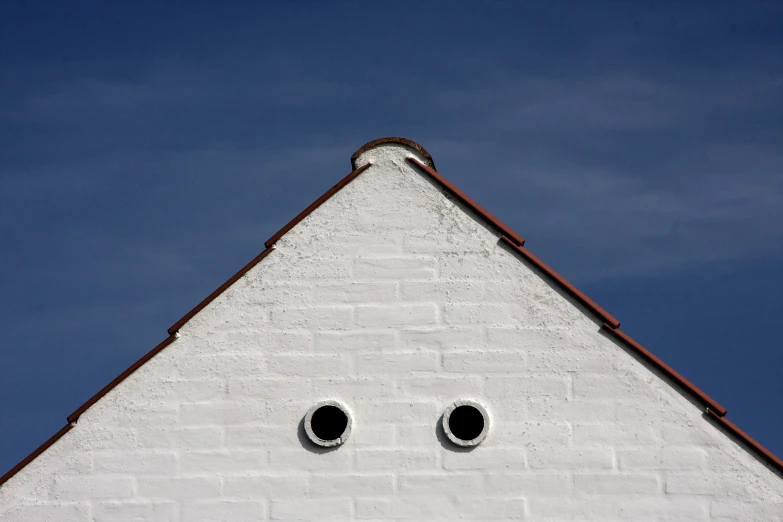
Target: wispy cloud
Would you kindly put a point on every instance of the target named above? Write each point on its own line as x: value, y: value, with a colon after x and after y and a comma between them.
x: 637, y: 172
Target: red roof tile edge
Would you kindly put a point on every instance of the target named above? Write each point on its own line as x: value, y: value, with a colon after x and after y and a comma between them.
x: 401, y: 141
x: 32, y: 456
x: 702, y: 397
x: 73, y: 417
x: 219, y: 290
x: 747, y: 439
x: 516, y: 242
x: 315, y: 204
x: 475, y: 207
x: 563, y: 283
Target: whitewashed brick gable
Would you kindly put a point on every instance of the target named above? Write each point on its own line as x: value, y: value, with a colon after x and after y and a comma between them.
x: 395, y: 299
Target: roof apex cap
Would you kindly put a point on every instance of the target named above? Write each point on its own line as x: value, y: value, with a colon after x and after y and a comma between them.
x: 410, y: 144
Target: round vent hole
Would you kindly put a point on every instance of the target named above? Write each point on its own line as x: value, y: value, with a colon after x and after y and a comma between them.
x: 328, y: 423
x: 466, y: 422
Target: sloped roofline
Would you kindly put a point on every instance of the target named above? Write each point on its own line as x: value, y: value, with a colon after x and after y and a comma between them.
x: 510, y: 238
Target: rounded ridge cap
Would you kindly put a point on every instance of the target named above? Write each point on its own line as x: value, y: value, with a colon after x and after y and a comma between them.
x: 392, y: 139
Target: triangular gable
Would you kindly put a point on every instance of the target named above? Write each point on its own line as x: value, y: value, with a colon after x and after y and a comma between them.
x: 611, y: 325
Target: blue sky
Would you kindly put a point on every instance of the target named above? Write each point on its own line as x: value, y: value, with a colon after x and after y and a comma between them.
x: 148, y: 149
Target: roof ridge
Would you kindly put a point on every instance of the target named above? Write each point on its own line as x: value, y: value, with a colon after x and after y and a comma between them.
x: 392, y: 139
x: 508, y: 237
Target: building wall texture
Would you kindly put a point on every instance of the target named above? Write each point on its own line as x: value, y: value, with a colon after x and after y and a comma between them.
x: 395, y: 300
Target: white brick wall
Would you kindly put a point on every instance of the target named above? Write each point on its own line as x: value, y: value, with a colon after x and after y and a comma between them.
x: 396, y: 302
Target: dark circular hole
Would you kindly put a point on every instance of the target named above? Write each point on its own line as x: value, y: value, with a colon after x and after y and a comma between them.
x: 466, y: 422
x: 328, y: 422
